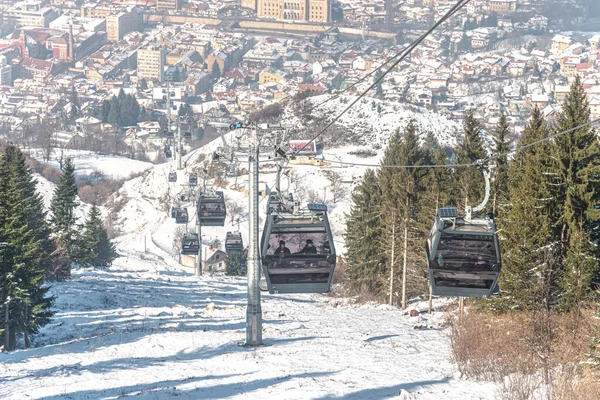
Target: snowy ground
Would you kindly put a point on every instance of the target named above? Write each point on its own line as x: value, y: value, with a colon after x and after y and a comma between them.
x: 149, y: 329
x: 88, y: 162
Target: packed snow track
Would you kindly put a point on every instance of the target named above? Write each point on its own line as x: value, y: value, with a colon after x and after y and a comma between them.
x: 149, y: 329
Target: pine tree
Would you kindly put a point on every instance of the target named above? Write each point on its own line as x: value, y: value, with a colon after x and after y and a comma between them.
x: 143, y: 84
x: 576, y: 169
x: 22, y: 253
x: 526, y: 233
x: 34, y: 205
x: 469, y: 180
x: 64, y: 201
x: 500, y: 184
x: 362, y: 235
x: 75, y: 106
x: 216, y: 70
x: 114, y: 114
x: 401, y: 190
x: 105, y: 110
x: 94, y: 249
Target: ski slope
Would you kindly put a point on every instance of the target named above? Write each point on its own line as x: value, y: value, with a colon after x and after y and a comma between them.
x: 148, y: 329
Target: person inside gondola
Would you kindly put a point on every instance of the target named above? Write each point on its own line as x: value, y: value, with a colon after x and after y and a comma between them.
x: 309, y: 248
x: 481, y: 263
x: 218, y: 209
x: 282, y: 250
x: 204, y: 210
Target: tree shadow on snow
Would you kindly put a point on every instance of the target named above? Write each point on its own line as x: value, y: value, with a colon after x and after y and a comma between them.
x: 384, y: 392
x: 165, y: 389
x: 382, y: 337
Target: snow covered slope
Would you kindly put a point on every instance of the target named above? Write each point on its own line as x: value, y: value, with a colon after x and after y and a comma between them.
x: 146, y: 329
x: 370, y: 122
x: 87, y: 162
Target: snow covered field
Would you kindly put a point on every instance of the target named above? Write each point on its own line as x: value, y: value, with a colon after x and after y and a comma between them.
x: 87, y: 162
x: 148, y: 329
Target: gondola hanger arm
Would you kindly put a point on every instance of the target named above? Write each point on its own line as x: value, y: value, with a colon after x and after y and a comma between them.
x: 485, y: 168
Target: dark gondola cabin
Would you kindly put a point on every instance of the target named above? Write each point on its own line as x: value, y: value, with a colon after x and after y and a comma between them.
x: 463, y: 256
x: 233, y: 243
x: 211, y: 209
x: 190, y: 244
x: 172, y: 176
x: 193, y: 180
x: 297, y: 250
x: 182, y: 216
x: 168, y: 153
x: 174, y: 211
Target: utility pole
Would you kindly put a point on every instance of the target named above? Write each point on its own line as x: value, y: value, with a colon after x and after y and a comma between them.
x: 198, y: 263
x: 179, y: 145
x: 253, y: 311
x: 169, y: 116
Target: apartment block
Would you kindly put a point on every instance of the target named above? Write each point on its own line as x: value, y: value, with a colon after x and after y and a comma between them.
x: 151, y: 62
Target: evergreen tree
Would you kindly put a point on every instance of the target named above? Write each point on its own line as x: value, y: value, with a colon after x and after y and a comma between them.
x: 94, y: 249
x: 236, y: 264
x: 105, y: 110
x: 402, y: 189
x: 114, y: 114
x: 500, y: 184
x: 216, y: 70
x: 379, y: 85
x: 64, y: 201
x: 34, y: 205
x: 143, y: 84
x: 75, y: 106
x: 362, y: 235
x: 470, y: 183
x: 25, y: 307
x: 176, y: 77
x: 576, y: 169
x: 526, y: 226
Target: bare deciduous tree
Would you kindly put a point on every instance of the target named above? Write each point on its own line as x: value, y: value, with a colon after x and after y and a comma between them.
x: 338, y: 189
x: 234, y: 210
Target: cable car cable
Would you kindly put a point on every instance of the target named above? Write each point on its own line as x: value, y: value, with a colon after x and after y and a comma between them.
x: 402, y: 55
x: 384, y: 64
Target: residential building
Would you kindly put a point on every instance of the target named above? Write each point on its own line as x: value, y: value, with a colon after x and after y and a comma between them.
x: 151, y: 62
x: 77, y: 24
x: 30, y: 13
x: 251, y: 4
x: 560, y: 43
x: 118, y: 24
x: 270, y: 74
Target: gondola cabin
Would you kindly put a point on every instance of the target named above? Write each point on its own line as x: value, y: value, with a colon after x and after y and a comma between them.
x: 463, y: 256
x: 193, y: 180
x: 172, y: 176
x: 211, y: 209
x: 297, y: 250
x: 174, y: 211
x: 168, y: 153
x: 190, y: 244
x: 233, y: 243
x: 182, y: 216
